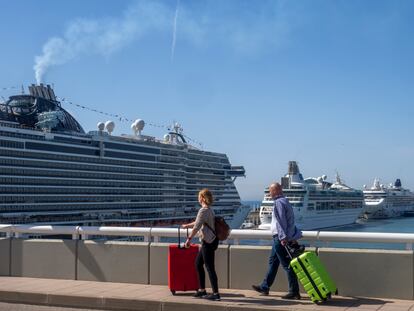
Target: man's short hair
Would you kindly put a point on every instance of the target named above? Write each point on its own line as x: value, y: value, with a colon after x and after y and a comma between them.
x: 276, y: 185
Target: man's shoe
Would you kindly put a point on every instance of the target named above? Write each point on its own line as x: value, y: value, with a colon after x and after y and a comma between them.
x: 214, y: 297
x: 260, y: 290
x: 292, y: 296
x: 200, y: 294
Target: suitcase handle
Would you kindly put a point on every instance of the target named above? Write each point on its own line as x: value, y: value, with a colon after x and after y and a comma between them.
x: 287, y: 251
x: 179, y: 236
x: 300, y: 248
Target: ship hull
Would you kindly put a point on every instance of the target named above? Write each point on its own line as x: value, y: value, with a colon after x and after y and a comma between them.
x: 316, y: 220
x: 55, y: 178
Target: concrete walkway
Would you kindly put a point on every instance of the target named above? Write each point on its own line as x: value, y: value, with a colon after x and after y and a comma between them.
x: 121, y: 296
x: 5, y: 306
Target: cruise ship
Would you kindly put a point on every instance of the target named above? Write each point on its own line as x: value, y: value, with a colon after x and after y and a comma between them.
x: 385, y: 202
x: 316, y: 202
x: 52, y: 172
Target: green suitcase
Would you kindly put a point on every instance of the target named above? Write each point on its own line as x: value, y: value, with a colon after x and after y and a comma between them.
x: 313, y: 276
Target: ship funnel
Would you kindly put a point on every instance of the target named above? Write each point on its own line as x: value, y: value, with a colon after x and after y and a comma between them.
x: 293, y: 168
x: 397, y: 183
x: 293, y: 172
x: 42, y: 91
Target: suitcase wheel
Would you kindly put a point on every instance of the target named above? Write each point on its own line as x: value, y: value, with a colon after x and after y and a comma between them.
x: 173, y: 292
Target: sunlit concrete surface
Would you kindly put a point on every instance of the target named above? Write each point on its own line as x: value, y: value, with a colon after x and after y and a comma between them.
x: 123, y: 296
x: 4, y: 306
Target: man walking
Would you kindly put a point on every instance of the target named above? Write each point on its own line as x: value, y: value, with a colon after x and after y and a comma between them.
x: 283, y: 230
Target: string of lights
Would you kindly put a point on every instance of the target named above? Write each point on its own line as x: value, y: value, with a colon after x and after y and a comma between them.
x: 124, y: 119
x: 113, y: 115
x: 9, y: 88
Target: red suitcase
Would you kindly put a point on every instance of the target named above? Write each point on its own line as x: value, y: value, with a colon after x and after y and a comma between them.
x: 182, y: 274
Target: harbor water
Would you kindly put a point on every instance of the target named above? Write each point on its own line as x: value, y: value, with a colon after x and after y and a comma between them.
x: 390, y: 225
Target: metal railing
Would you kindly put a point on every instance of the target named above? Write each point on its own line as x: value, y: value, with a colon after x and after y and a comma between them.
x: 155, y: 233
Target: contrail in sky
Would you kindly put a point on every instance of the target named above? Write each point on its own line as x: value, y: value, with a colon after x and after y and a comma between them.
x: 174, y: 31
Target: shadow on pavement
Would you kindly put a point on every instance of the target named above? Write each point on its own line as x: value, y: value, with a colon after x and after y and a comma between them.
x: 335, y: 302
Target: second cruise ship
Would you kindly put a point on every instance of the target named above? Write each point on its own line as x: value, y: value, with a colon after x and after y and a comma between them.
x: 52, y: 172
x: 316, y: 202
x: 386, y: 202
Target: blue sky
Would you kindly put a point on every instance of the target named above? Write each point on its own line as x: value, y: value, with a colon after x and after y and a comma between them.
x: 326, y: 83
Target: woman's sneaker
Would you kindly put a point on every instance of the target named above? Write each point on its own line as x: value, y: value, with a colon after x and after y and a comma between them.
x: 200, y: 294
x: 215, y: 297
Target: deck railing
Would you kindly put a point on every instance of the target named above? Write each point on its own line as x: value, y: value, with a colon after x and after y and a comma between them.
x: 155, y: 233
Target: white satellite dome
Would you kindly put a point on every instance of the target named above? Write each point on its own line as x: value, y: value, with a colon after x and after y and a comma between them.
x: 139, y: 124
x: 110, y: 125
x: 101, y: 126
x: 167, y: 137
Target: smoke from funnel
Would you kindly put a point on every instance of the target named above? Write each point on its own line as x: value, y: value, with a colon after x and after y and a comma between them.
x: 102, y: 37
x: 265, y: 28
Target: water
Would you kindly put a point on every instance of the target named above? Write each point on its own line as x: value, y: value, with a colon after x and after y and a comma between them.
x: 391, y: 225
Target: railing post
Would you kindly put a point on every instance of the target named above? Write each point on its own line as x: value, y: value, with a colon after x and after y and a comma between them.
x: 75, y: 236
x: 147, y: 237
x: 9, y: 233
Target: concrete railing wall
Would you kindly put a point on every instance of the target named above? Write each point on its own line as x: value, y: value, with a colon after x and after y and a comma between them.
x: 371, y: 273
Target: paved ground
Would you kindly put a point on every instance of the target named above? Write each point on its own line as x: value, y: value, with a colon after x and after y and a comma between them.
x: 23, y: 307
x: 121, y: 296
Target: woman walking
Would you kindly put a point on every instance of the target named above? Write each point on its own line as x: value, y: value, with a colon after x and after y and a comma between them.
x: 204, y: 225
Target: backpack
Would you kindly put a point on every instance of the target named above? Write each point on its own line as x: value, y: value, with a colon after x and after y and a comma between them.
x: 222, y: 231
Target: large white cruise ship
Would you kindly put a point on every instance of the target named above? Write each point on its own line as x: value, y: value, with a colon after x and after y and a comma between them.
x: 52, y: 172
x: 385, y: 202
x: 316, y: 203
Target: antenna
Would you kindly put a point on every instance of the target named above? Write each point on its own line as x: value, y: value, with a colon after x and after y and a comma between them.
x: 22, y: 89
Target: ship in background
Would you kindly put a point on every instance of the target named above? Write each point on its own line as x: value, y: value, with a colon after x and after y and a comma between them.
x: 316, y: 202
x: 386, y: 202
x: 52, y: 172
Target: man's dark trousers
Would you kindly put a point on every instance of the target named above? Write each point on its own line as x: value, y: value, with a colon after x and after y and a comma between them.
x: 279, y: 256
